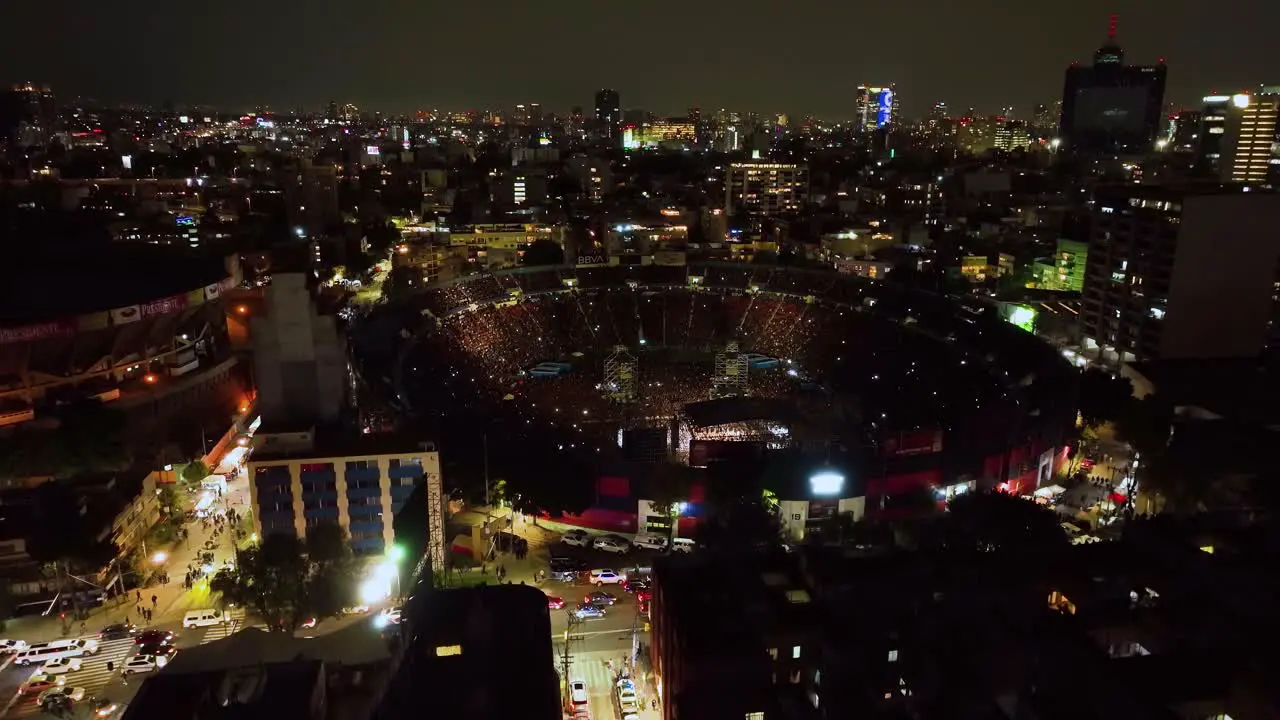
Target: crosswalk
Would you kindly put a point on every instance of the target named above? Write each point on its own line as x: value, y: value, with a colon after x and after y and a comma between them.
x: 93, y: 674
x: 236, y: 623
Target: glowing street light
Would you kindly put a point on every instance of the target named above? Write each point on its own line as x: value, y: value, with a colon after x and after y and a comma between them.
x: 160, y: 557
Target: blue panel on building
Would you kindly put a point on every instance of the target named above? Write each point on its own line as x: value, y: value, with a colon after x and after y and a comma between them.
x: 320, y: 512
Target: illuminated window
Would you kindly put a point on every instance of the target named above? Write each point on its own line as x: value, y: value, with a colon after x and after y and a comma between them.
x: 773, y: 653
x: 795, y: 652
x: 447, y: 650
x: 893, y: 656
x: 755, y: 716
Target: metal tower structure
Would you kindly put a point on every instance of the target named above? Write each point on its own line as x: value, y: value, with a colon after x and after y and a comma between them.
x: 621, y: 371
x: 730, y: 379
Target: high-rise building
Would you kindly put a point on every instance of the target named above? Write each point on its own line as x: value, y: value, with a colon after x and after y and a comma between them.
x: 1110, y: 107
x: 28, y: 114
x: 301, y: 477
x: 876, y: 107
x: 1185, y: 135
x: 765, y: 189
x: 1044, y: 122
x: 1010, y: 135
x: 1185, y: 272
x: 1249, y: 138
x: 608, y: 115
x: 1211, y: 134
x: 299, y: 361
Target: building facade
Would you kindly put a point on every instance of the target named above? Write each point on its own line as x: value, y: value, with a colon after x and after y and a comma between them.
x: 1111, y: 108
x: 295, y: 485
x: 298, y: 357
x: 1249, y: 137
x: 608, y: 115
x: 1180, y: 273
x: 765, y: 189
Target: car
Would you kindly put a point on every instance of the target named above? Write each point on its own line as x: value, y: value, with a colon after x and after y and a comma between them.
x: 682, y: 545
x: 104, y: 708
x: 58, y: 666
x: 576, y: 538
x: 355, y: 610
x: 163, y: 650
x: 578, y: 692
x: 8, y: 647
x: 628, y: 697
x: 564, y: 562
x: 554, y: 603
x: 605, y: 576
x: 154, y: 637
x: 613, y: 544
x: 564, y: 576
x: 651, y: 542
x: 142, y: 664
x: 74, y: 694
x: 118, y: 631
x: 636, y: 585
x: 588, y: 612
x: 643, y: 608
x: 600, y: 598
x: 40, y: 683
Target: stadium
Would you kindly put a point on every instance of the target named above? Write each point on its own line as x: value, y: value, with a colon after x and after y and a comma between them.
x: 121, y: 324
x: 903, y: 391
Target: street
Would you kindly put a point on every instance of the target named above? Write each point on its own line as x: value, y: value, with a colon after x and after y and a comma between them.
x: 168, y: 603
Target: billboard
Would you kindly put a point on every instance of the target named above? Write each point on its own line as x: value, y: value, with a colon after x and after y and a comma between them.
x: 904, y: 444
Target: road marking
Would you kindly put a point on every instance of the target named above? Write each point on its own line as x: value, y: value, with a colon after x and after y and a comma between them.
x: 592, y: 632
x: 93, y: 677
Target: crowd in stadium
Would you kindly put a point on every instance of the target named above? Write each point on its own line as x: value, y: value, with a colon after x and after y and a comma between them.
x: 913, y: 360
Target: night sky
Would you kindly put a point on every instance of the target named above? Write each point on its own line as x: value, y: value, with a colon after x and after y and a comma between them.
x: 801, y: 56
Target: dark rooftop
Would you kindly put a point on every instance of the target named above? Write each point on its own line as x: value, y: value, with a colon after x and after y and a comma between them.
x: 481, y: 652
x: 273, y: 691
x: 333, y: 442
x: 53, y: 283
x: 1239, y: 389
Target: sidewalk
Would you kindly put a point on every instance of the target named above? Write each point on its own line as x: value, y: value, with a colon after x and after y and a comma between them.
x: 171, y: 599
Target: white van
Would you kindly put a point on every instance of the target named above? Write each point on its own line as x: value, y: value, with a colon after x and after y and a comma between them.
x: 202, y: 618
x: 41, y: 653
x: 650, y: 542
x: 682, y: 545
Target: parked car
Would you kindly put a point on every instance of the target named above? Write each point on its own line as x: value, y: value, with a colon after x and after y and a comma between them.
x: 59, y: 666
x: 588, y: 612
x: 577, y: 538
x: 600, y: 598
x: 651, y: 542
x: 565, y: 576
x: 578, y: 692
x: 118, y: 631
x: 554, y: 603
x: 683, y: 545
x: 606, y: 576
x: 635, y: 585
x: 612, y: 543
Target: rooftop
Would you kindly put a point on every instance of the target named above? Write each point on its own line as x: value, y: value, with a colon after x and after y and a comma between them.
x: 287, y: 442
x: 54, y: 283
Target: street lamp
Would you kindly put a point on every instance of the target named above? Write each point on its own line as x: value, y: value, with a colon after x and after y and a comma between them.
x: 160, y: 557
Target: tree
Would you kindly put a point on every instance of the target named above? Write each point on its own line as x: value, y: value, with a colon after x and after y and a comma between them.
x: 194, y: 472
x: 669, y: 486
x: 401, y: 282
x: 544, y: 251
x: 1103, y: 396
x: 1146, y: 424
x: 995, y: 521
x: 326, y: 544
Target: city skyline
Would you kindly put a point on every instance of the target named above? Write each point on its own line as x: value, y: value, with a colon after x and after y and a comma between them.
x: 383, y: 58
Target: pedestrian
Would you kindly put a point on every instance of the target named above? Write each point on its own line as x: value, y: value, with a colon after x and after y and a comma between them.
x: 153, y: 601
x: 139, y: 596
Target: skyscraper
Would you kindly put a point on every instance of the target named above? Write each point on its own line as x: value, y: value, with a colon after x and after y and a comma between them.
x: 876, y: 107
x: 1110, y: 107
x: 608, y: 115
x: 1249, y: 138
x: 28, y: 114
